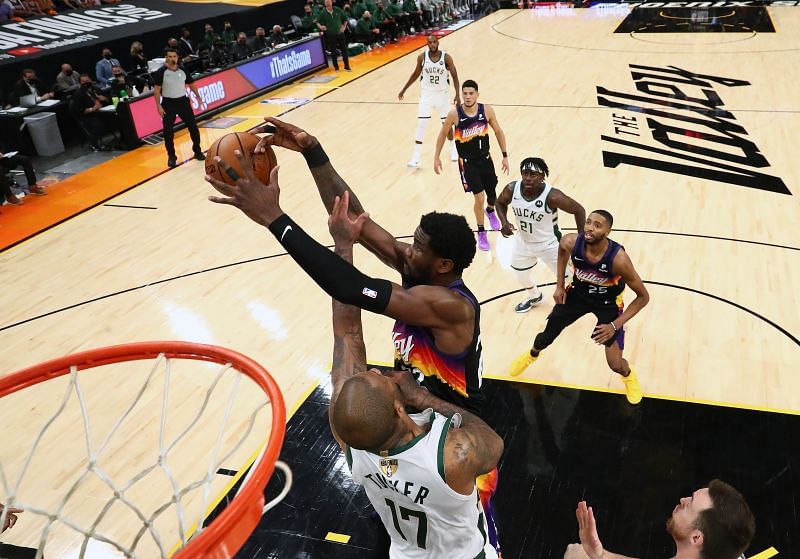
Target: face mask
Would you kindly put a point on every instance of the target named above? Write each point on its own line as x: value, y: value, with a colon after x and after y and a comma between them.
x: 107, y: 56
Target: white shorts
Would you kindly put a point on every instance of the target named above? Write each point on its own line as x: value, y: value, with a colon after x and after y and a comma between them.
x: 525, y: 255
x: 431, y: 101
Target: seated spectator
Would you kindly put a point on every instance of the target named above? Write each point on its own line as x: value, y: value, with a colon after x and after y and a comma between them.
x: 30, y: 85
x: 8, y: 196
x: 357, y: 9
x: 229, y: 34
x: 414, y: 14
x: 84, y: 106
x: 308, y: 22
x: 67, y: 81
x: 219, y: 57
x: 6, y: 12
x: 714, y: 523
x: 185, y: 46
x: 123, y: 85
x: 9, y: 163
x: 209, y: 37
x: 366, y: 30
x: 241, y: 49
x: 103, y: 67
x: 277, y: 37
x: 398, y: 15
x: 260, y: 42
x: 385, y: 22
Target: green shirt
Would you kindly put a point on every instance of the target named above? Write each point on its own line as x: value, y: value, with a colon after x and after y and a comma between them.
x: 410, y: 6
x: 309, y: 23
x: 229, y: 36
x: 371, y: 6
x: 332, y: 20
x: 365, y: 26
x: 380, y: 16
x: 358, y: 9
x: 393, y: 9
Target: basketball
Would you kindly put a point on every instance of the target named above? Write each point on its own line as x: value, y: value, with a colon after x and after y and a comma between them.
x: 262, y: 163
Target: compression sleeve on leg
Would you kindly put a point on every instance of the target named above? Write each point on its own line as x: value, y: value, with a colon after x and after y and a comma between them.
x: 340, y: 279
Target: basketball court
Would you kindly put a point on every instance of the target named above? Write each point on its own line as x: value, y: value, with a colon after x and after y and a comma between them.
x: 681, y: 123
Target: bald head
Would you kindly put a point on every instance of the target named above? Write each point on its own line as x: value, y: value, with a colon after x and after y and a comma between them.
x: 367, y: 411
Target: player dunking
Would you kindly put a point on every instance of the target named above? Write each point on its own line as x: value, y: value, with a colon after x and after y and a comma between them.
x: 434, y: 456
x: 472, y: 121
x: 432, y: 70
x: 602, y: 269
x: 535, y: 204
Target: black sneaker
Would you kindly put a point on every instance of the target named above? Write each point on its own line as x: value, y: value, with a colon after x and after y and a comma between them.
x: 200, y: 156
x: 172, y: 162
x: 525, y: 306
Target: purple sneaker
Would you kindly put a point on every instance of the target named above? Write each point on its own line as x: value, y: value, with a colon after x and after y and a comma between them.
x: 493, y: 221
x: 483, y: 240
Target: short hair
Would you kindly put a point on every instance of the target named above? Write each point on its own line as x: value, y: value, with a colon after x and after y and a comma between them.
x: 535, y: 164
x: 170, y: 49
x: 606, y: 214
x: 363, y: 416
x: 728, y: 526
x: 450, y: 237
x: 84, y: 76
x: 28, y: 71
x: 470, y: 83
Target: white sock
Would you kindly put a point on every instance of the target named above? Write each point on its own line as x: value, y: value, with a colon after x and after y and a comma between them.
x: 526, y: 279
x: 417, y: 152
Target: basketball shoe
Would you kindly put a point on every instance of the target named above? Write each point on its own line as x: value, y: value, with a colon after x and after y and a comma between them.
x: 493, y: 221
x: 521, y: 363
x: 633, y: 392
x: 414, y: 164
x: 528, y: 304
x: 483, y: 240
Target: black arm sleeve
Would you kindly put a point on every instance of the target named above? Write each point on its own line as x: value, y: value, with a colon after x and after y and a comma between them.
x: 341, y: 280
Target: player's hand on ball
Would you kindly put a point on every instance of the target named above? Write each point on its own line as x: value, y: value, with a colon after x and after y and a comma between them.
x: 257, y: 200
x: 437, y: 165
x: 345, y: 231
x: 284, y: 135
x: 508, y: 229
x: 602, y: 333
x: 560, y: 296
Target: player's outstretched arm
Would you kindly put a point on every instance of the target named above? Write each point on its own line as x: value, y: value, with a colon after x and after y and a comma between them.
x: 448, y: 60
x: 449, y: 122
x: 414, y: 76
x: 590, y: 546
x: 471, y: 450
x: 624, y: 267
x: 491, y: 116
x: 560, y: 201
x: 374, y: 238
x: 501, y: 205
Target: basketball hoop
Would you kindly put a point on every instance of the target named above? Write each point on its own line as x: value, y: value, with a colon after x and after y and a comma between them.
x: 231, y: 528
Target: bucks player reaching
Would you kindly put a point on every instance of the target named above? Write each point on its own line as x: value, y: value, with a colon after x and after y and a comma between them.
x: 418, y: 470
x: 535, y: 203
x: 432, y: 70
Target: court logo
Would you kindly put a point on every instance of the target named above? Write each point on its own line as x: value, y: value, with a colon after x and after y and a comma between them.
x: 676, y: 122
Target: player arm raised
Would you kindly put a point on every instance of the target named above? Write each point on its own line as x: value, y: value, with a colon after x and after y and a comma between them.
x: 449, y: 122
x: 560, y: 201
x: 590, y: 546
x: 471, y: 450
x: 501, y: 136
x: 451, y: 66
x: 501, y: 205
x: 414, y: 76
x: 374, y: 238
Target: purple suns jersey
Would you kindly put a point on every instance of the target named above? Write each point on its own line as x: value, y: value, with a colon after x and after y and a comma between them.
x: 595, y: 281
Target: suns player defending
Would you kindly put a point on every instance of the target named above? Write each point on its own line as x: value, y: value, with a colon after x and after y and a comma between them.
x: 417, y: 470
x: 535, y: 204
x: 432, y: 70
x: 472, y: 121
x: 602, y: 269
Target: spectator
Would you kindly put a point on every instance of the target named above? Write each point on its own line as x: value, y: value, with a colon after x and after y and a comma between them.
x: 366, y: 31
x: 219, y: 57
x: 385, y: 22
x: 6, y: 12
x: 30, y: 85
x: 414, y: 15
x: 260, y: 41
x: 8, y: 196
x: 209, y: 37
x: 714, y: 523
x: 396, y: 13
x: 68, y: 80
x: 241, y: 49
x: 103, y: 67
x: 229, y: 34
x: 185, y: 47
x: 121, y: 86
x: 9, y: 163
x: 309, y: 23
x: 277, y: 37
x: 84, y: 106
x: 332, y: 22
x: 357, y: 9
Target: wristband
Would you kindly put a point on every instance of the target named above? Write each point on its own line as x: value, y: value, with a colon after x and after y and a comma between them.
x: 505, y: 153
x: 315, y: 156
x: 612, y: 325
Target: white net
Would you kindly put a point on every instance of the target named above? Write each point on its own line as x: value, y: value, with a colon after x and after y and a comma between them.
x: 107, y: 464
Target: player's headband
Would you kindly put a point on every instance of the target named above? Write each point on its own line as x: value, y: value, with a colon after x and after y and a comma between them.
x: 530, y: 165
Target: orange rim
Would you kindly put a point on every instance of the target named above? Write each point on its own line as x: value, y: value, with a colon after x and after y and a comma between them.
x: 228, y: 532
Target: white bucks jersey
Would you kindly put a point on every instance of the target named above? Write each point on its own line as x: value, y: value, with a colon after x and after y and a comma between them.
x: 435, y: 77
x: 423, y: 515
x: 536, y: 221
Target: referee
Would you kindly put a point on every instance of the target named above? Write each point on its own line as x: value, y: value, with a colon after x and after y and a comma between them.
x: 169, y: 93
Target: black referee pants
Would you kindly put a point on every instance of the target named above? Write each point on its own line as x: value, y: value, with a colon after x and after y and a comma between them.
x: 179, y: 106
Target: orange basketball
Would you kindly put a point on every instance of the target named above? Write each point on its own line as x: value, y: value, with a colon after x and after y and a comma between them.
x: 262, y: 163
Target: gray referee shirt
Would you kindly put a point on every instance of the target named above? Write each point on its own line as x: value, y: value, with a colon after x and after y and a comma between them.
x: 173, y: 83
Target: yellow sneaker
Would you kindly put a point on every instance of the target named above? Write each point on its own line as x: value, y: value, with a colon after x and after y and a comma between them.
x: 521, y: 363
x: 633, y: 392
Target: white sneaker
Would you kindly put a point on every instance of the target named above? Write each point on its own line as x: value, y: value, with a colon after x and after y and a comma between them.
x: 414, y: 164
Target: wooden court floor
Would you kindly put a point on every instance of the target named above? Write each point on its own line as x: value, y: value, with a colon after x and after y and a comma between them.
x: 686, y: 138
